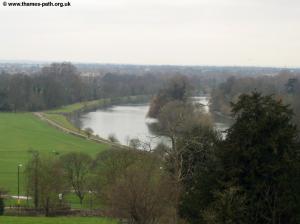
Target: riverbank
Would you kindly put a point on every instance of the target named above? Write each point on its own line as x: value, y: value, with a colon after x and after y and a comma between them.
x: 73, y: 131
x: 97, y: 104
x: 61, y: 117
x: 63, y: 114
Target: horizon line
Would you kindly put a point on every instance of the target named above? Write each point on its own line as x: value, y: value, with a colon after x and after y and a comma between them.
x: 30, y: 61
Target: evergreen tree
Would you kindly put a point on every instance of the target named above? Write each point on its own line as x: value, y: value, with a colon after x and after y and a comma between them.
x: 260, y: 157
x: 198, y: 153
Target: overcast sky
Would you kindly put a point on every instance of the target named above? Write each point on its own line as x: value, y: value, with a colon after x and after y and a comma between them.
x: 190, y: 32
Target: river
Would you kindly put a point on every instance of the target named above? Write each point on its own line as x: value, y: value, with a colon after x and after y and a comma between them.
x: 127, y: 122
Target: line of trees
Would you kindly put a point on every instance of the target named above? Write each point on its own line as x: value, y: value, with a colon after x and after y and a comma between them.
x: 130, y: 183
x: 60, y: 84
x: 53, y: 86
x: 285, y: 86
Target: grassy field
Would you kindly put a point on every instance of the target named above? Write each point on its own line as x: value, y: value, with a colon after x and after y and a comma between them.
x: 21, y: 132
x: 57, y: 220
x: 62, y: 120
x: 99, y: 103
x: 79, y: 106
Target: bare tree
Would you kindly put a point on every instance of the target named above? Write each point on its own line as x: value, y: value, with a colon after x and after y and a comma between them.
x: 51, y: 183
x: 174, y: 120
x: 140, y: 191
x: 33, y: 173
x: 77, y: 166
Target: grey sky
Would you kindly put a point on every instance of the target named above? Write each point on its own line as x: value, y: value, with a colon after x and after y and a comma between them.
x: 199, y: 32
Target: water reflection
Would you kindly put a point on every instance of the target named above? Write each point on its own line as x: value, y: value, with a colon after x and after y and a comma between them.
x: 129, y: 122
x: 125, y: 122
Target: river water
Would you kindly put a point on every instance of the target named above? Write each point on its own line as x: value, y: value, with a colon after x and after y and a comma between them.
x: 130, y: 121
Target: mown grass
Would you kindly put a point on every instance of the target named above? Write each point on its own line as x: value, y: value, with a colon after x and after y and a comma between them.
x: 56, y: 220
x: 78, y: 106
x: 99, y: 103
x: 22, y: 132
x: 90, y: 201
x: 62, y: 121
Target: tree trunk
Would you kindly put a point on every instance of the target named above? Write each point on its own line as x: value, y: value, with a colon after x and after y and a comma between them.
x: 47, y: 207
x: 80, y: 200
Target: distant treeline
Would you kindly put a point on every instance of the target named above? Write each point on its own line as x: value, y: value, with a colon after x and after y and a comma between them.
x: 284, y: 86
x: 30, y: 67
x: 61, y: 84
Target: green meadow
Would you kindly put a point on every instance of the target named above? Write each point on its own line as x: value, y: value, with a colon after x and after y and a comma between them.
x: 22, y: 132
x: 62, y: 121
x: 80, y: 106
